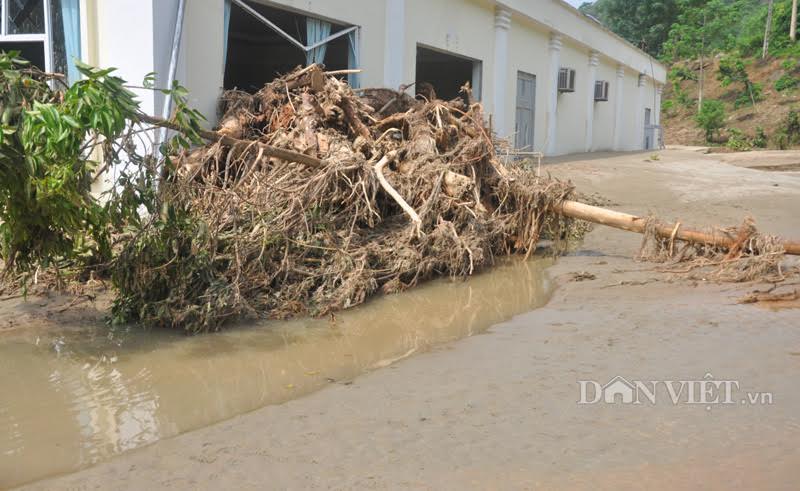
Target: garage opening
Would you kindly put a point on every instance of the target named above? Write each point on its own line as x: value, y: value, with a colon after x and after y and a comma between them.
x: 257, y: 54
x: 446, y: 73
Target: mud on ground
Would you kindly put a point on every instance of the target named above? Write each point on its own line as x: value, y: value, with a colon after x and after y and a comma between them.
x: 500, y: 411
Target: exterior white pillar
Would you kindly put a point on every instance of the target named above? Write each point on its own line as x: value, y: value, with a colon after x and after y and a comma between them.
x: 594, y: 60
x: 554, y: 55
x: 502, y: 26
x: 618, y: 106
x: 657, y: 117
x: 477, y: 81
x: 394, y: 49
x: 640, y: 113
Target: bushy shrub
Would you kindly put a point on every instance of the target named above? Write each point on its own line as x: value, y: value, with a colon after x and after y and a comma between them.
x: 781, y: 140
x: 682, y: 73
x: 733, y: 69
x: 668, y: 107
x: 788, y: 134
x: 760, y: 140
x: 786, y: 82
x: 738, y: 141
x: 754, y: 92
x: 793, y: 123
x: 711, y: 117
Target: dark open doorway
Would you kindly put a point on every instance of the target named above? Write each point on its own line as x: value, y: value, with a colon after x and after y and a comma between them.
x: 446, y: 73
x: 257, y: 54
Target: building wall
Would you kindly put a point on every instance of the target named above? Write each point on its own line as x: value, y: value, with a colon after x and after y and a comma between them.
x: 136, y: 35
x: 603, y: 125
x: 572, y: 110
x: 535, y: 62
x: 455, y: 26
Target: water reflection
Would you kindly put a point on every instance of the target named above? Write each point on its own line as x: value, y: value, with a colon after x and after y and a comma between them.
x: 74, y: 397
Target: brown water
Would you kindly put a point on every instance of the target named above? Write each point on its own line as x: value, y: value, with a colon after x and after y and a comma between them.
x: 71, y: 398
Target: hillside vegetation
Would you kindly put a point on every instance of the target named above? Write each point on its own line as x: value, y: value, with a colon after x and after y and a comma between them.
x: 734, y: 71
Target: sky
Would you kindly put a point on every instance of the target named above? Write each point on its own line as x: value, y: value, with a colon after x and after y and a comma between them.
x: 576, y: 3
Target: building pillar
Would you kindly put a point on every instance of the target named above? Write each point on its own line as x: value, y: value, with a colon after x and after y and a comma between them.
x: 618, y: 108
x: 594, y: 60
x: 394, y: 49
x: 554, y: 55
x: 502, y: 26
x: 657, y: 116
x: 640, y: 112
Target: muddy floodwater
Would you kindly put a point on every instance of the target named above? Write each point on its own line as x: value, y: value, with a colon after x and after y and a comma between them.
x: 73, y: 397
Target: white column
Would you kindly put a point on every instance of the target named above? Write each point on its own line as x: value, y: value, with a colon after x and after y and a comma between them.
x: 657, y: 116
x: 394, y: 48
x: 594, y: 60
x: 502, y: 26
x: 618, y: 106
x: 640, y: 113
x: 477, y: 80
x: 554, y: 55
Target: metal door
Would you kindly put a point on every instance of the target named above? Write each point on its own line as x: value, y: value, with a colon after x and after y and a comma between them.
x: 648, y: 130
x: 526, y: 111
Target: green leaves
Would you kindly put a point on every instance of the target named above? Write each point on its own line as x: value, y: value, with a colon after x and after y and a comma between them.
x: 47, y: 211
x: 711, y: 117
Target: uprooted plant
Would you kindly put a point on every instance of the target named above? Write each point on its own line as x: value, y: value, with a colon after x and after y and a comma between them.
x: 393, y: 191
x: 308, y: 199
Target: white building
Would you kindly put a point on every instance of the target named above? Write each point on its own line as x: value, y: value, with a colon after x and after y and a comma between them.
x: 553, y: 79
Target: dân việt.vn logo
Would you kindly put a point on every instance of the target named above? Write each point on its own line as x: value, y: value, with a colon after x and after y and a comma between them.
x: 707, y: 391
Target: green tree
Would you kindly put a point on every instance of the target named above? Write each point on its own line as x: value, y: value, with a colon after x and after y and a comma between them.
x: 645, y: 23
x: 732, y: 69
x: 711, y: 117
x: 48, y: 138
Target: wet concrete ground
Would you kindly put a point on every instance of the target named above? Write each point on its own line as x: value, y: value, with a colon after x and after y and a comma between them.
x: 501, y: 410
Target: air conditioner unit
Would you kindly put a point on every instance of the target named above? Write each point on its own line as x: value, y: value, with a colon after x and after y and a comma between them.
x: 601, y: 90
x: 566, y: 80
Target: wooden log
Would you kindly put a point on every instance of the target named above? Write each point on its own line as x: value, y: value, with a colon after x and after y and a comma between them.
x: 351, y: 116
x: 312, y: 77
x: 632, y: 223
x: 268, y: 150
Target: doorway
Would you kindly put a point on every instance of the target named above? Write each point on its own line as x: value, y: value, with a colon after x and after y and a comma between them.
x: 526, y: 111
x: 648, y: 130
x: 445, y: 74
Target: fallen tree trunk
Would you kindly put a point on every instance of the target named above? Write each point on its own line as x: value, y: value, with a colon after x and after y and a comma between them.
x: 632, y: 223
x: 572, y: 209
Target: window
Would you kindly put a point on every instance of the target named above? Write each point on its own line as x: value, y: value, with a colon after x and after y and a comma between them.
x: 46, y: 33
x: 262, y: 42
x: 566, y: 80
x: 601, y: 91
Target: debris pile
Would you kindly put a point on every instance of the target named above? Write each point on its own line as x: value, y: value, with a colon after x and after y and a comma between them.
x: 392, y: 191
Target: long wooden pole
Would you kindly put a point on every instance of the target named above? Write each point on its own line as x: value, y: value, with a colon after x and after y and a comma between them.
x: 793, y: 25
x: 632, y: 223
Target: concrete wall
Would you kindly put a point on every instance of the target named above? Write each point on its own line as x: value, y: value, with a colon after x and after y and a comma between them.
x: 136, y: 35
x: 603, y: 134
x: 572, y: 111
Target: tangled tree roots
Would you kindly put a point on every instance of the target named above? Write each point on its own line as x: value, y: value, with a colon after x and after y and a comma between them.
x: 405, y: 192
x: 753, y: 256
